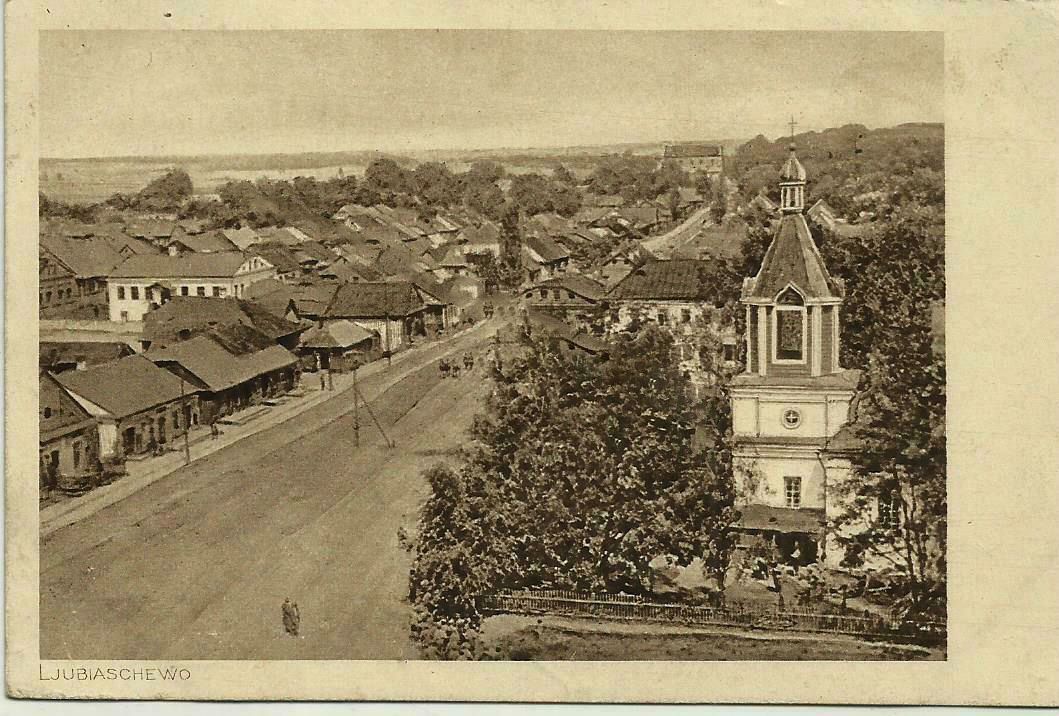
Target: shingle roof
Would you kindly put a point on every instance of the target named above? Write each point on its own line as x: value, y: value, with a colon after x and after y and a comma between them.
x: 278, y: 255
x: 309, y: 299
x: 66, y: 414
x: 54, y: 354
x: 219, y: 264
x: 336, y: 334
x: 547, y: 249
x: 210, y: 241
x: 453, y: 258
x: 484, y: 234
x: 200, y: 314
x: 579, y: 284
x: 374, y: 300
x: 394, y: 260
x: 125, y: 387
x: 667, y: 280
x: 217, y: 368
x: 150, y: 229
x: 564, y: 331
x: 243, y: 237
x: 792, y: 258
x: 87, y: 258
x: 680, y: 151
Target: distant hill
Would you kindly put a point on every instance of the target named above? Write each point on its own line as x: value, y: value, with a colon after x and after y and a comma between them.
x: 846, y: 142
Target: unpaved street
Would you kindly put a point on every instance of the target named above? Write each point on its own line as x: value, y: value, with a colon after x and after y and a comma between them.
x: 197, y: 565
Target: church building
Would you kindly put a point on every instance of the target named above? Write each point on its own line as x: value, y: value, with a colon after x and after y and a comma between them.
x: 794, y: 396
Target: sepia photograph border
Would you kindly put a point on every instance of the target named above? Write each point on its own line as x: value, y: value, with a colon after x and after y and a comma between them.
x: 1001, y: 250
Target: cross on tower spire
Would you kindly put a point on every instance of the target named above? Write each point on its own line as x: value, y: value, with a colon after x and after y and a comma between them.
x: 793, y: 124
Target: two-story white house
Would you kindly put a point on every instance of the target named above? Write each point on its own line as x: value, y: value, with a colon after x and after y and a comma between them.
x: 144, y: 282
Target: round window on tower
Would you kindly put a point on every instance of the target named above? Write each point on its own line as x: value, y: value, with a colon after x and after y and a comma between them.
x: 791, y: 418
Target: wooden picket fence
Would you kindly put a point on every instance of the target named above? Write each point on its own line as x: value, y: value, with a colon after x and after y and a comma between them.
x: 560, y: 602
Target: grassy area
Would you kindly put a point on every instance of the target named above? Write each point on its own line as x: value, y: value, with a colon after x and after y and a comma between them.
x: 555, y: 639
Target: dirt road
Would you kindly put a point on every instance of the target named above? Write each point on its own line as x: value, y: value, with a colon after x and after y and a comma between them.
x: 197, y: 565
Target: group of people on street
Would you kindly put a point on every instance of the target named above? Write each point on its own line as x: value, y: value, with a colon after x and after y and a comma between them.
x: 452, y: 368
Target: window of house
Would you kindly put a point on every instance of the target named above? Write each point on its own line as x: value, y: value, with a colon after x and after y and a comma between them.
x: 135, y: 293
x: 217, y: 291
x: 544, y: 293
x: 121, y: 293
x: 792, y: 491
x: 148, y: 293
x: 728, y: 352
x: 555, y: 294
x: 47, y: 296
x: 685, y: 315
x: 77, y: 453
x: 201, y: 291
x: 570, y: 295
x: 662, y: 318
x: 47, y: 411
x: 888, y: 508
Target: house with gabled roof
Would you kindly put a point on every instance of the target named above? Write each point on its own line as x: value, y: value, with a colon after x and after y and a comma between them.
x: 396, y: 310
x: 226, y: 380
x: 138, y: 406
x: 183, y: 317
x: 69, y: 438
x: 73, y: 276
x: 680, y: 296
x: 543, y: 258
x: 204, y: 242
x: 569, y: 338
x: 141, y: 283
x: 480, y: 239
x: 696, y: 157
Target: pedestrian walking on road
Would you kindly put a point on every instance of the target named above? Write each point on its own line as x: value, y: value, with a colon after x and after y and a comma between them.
x: 215, y: 432
x: 443, y: 366
x: 468, y: 362
x: 291, y: 618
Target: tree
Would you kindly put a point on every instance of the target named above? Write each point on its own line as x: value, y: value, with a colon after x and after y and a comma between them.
x: 166, y: 193
x: 387, y: 177
x: 435, y: 184
x: 895, y: 279
x: 563, y: 175
x: 581, y: 473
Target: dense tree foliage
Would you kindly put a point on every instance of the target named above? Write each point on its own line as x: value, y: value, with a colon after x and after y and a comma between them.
x: 895, y: 281
x: 581, y: 473
x: 637, y: 178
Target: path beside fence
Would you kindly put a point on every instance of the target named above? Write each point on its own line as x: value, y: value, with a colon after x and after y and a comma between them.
x: 627, y: 607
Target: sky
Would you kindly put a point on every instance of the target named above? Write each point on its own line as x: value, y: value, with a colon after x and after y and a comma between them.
x: 141, y: 93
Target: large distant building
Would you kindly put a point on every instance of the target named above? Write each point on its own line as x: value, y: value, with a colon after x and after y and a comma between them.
x: 701, y: 158
x: 145, y: 282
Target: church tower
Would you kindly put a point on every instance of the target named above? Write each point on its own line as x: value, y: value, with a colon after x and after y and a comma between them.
x: 793, y: 395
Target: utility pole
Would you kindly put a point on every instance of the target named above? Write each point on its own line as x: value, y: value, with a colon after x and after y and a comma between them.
x: 185, y: 416
x: 356, y: 407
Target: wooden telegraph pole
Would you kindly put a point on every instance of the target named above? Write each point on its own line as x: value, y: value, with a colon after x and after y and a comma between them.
x: 356, y: 407
x: 186, y: 417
